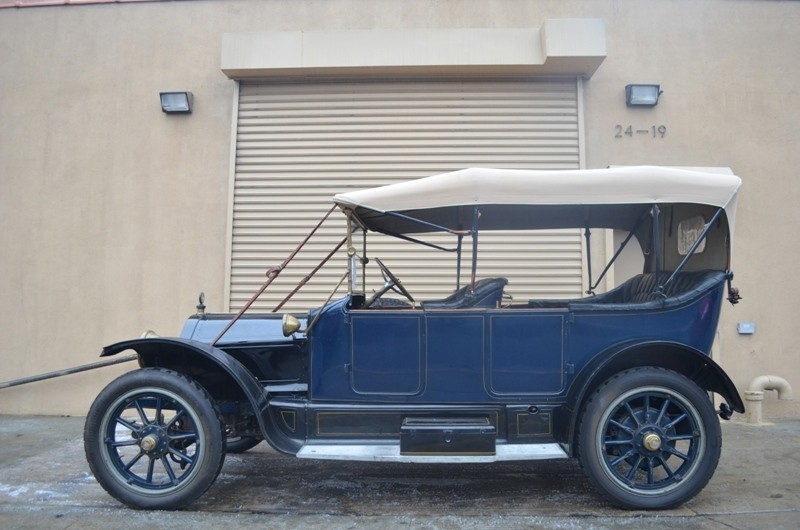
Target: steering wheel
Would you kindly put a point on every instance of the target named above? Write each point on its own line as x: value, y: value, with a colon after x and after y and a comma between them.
x: 393, y: 282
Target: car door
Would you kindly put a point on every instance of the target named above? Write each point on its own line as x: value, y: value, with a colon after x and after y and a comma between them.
x: 387, y: 354
x: 526, y: 352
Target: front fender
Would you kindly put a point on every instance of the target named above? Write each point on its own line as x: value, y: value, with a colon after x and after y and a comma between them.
x: 202, y: 361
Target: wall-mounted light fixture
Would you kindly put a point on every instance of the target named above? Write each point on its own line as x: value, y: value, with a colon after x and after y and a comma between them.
x: 176, y: 102
x: 642, y: 95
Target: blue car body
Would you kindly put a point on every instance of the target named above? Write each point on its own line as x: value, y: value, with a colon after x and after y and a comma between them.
x: 521, y: 366
x: 476, y: 378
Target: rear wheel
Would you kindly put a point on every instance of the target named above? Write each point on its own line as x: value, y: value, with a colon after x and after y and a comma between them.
x: 649, y: 438
x: 154, y: 439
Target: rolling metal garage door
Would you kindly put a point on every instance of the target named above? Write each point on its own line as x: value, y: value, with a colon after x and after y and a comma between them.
x: 299, y: 144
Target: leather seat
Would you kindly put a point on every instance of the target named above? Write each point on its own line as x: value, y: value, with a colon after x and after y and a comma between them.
x: 485, y: 293
x: 639, y: 291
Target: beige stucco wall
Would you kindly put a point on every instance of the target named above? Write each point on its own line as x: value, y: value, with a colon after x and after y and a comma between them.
x: 113, y: 214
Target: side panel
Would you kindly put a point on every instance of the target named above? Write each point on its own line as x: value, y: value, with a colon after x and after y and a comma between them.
x: 693, y: 325
x: 509, y: 355
x: 466, y: 356
x: 455, y: 349
x: 526, y: 354
x: 387, y: 354
x: 273, y: 363
x: 330, y: 346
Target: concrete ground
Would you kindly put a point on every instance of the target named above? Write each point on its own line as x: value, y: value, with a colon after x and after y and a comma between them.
x: 45, y: 483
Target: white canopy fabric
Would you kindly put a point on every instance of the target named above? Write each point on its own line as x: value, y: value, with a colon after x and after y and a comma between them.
x: 601, y: 188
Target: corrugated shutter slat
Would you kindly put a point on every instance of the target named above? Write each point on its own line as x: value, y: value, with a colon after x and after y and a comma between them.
x: 299, y: 144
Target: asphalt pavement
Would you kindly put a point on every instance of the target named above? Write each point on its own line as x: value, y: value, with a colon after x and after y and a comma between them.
x: 45, y: 483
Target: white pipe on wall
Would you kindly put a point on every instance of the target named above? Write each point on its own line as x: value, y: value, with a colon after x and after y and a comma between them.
x: 755, y: 394
x: 772, y: 382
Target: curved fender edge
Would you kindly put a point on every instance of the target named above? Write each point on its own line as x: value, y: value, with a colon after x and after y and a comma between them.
x: 692, y: 363
x: 158, y: 352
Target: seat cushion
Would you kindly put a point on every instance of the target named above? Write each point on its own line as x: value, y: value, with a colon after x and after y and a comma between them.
x: 640, y: 292
x: 485, y: 293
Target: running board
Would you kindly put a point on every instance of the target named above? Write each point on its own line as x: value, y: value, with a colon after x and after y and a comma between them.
x: 391, y: 453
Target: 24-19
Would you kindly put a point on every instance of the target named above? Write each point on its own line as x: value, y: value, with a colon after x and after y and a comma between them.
x: 655, y: 131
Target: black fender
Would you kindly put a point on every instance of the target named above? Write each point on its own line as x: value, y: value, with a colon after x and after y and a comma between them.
x: 204, y: 362
x: 680, y: 358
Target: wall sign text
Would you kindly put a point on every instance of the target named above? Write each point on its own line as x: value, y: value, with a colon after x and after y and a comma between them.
x: 629, y: 131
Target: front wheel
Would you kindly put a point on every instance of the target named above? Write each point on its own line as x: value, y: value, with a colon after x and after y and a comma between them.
x: 649, y: 438
x: 154, y: 439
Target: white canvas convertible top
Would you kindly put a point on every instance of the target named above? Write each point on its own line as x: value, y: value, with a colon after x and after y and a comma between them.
x: 430, y: 198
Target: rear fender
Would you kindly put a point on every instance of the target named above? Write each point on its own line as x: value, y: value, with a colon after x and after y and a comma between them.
x: 693, y: 364
x: 220, y: 374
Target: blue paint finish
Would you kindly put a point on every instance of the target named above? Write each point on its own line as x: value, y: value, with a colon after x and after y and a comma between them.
x: 330, y: 347
x: 455, y: 352
x: 189, y: 328
x: 483, y: 355
x: 527, y: 353
x: 249, y: 328
x: 693, y: 325
x: 475, y: 357
x: 387, y: 353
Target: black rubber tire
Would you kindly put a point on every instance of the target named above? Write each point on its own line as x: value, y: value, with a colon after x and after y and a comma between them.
x: 648, y: 439
x: 242, y: 443
x: 176, y: 418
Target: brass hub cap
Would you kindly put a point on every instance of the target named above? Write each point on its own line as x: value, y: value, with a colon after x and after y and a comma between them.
x: 652, y: 442
x: 148, y: 443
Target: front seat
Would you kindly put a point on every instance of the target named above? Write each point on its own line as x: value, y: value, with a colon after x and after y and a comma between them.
x: 485, y: 293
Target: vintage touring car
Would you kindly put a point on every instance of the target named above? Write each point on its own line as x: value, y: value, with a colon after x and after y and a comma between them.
x: 622, y: 380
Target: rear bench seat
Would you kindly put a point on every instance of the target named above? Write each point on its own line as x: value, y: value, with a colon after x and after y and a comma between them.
x: 639, y: 292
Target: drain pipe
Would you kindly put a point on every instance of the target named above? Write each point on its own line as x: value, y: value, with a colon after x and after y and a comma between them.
x: 755, y: 394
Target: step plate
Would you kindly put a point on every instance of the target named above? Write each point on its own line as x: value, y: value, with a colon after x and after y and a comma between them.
x: 391, y: 453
